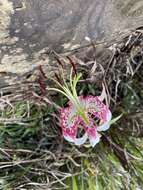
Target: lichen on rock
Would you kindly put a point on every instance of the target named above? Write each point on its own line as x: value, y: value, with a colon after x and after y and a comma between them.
x: 6, y: 9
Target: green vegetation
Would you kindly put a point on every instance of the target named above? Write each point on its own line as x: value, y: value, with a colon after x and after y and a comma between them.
x: 34, y: 155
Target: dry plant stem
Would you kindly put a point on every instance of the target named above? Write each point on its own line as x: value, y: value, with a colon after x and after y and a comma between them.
x: 45, y: 165
x: 109, y: 63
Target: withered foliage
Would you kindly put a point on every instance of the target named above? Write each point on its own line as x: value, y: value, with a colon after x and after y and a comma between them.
x: 33, y: 154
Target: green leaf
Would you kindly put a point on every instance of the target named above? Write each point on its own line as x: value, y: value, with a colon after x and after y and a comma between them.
x: 115, y: 119
x: 74, y: 184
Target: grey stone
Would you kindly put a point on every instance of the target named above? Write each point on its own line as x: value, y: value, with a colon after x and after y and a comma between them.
x: 29, y: 26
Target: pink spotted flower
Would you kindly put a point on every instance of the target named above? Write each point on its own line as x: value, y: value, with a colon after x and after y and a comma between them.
x: 84, y: 117
x: 94, y: 110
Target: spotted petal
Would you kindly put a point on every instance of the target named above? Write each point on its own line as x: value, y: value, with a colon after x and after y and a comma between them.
x: 94, y: 141
x: 97, y: 108
x: 71, y: 120
x: 105, y: 126
x: 94, y: 137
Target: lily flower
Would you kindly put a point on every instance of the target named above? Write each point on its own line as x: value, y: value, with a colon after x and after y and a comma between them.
x: 93, y: 109
x: 84, y: 117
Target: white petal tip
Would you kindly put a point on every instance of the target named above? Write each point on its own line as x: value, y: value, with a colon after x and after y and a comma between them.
x: 80, y: 141
x: 94, y: 141
x: 103, y: 127
x: 68, y: 138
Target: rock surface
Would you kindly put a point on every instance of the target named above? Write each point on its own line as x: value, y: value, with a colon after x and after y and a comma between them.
x: 28, y: 27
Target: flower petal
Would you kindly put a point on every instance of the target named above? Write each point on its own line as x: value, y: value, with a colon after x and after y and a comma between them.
x: 94, y: 109
x: 80, y: 141
x: 68, y: 116
x: 109, y: 115
x: 97, y: 108
x: 68, y: 120
x: 94, y: 105
x: 94, y: 141
x: 105, y: 126
x: 93, y: 136
x: 68, y: 138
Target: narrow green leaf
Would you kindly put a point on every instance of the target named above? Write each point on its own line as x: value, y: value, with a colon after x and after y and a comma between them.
x: 115, y: 119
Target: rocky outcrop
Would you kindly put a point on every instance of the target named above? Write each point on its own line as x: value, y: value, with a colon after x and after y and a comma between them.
x: 29, y: 27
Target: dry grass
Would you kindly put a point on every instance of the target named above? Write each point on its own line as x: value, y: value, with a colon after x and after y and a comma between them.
x: 33, y: 154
